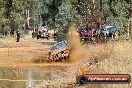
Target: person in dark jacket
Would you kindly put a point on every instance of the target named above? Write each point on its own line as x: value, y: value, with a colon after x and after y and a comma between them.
x: 38, y: 34
x: 17, y: 35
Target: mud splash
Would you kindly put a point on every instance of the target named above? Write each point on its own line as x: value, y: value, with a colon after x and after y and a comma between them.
x: 77, y: 51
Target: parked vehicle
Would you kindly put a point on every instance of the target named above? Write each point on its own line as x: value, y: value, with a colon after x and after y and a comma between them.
x: 107, y: 32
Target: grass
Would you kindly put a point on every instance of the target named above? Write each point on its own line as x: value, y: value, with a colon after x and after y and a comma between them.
x: 11, y: 42
x: 100, y: 51
x: 25, y: 41
x: 119, y: 61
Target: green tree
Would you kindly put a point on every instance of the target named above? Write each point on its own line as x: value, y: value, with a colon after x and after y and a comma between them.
x: 119, y: 9
x: 66, y: 16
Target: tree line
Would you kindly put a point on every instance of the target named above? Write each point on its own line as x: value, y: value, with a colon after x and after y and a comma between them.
x: 60, y: 14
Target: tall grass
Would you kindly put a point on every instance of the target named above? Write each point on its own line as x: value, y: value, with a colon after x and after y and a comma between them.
x: 119, y: 62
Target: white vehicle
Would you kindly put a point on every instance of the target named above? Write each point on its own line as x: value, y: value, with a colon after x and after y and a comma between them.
x: 107, y: 32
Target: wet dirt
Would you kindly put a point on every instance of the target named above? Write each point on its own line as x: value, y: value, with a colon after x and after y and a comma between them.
x: 27, y: 77
x: 12, y: 56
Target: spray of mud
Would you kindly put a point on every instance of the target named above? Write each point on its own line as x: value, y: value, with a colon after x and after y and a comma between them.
x: 77, y: 51
x: 81, y: 52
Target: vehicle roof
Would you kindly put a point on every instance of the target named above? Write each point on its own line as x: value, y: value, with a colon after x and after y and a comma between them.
x: 109, y: 26
x: 59, y: 45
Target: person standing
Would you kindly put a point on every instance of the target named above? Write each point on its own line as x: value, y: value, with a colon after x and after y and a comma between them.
x: 38, y: 34
x: 17, y: 35
x: 47, y: 35
x: 115, y: 36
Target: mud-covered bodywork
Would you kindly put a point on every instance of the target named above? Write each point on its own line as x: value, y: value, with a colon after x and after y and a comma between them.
x: 59, y: 51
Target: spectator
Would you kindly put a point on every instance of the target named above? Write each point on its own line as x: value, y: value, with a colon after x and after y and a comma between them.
x: 17, y: 35
x: 47, y: 35
x: 115, y: 36
x: 38, y: 34
x: 33, y: 34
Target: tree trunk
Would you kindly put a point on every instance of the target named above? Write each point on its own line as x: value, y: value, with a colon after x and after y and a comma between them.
x: 101, y: 14
x: 86, y: 13
x: 129, y: 23
x: 28, y: 18
x: 129, y: 31
x: 93, y: 8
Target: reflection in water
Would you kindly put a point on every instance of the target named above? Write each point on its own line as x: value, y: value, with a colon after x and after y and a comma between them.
x: 29, y: 82
x: 27, y: 77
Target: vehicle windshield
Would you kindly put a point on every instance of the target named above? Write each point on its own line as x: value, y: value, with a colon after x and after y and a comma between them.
x: 58, y: 46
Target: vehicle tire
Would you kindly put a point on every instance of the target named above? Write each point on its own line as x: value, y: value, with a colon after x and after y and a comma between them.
x: 101, y: 36
x: 81, y: 80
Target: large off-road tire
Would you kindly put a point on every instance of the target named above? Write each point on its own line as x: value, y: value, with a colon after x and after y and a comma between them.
x: 80, y: 80
x: 60, y: 55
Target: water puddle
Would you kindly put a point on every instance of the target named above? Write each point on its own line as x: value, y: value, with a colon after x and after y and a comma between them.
x: 27, y: 77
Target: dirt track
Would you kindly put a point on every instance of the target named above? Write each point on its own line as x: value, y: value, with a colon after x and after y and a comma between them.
x: 11, y: 56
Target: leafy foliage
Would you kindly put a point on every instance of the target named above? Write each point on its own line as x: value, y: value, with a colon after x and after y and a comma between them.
x: 61, y: 13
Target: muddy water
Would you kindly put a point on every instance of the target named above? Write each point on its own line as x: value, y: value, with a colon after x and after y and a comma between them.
x: 27, y: 77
